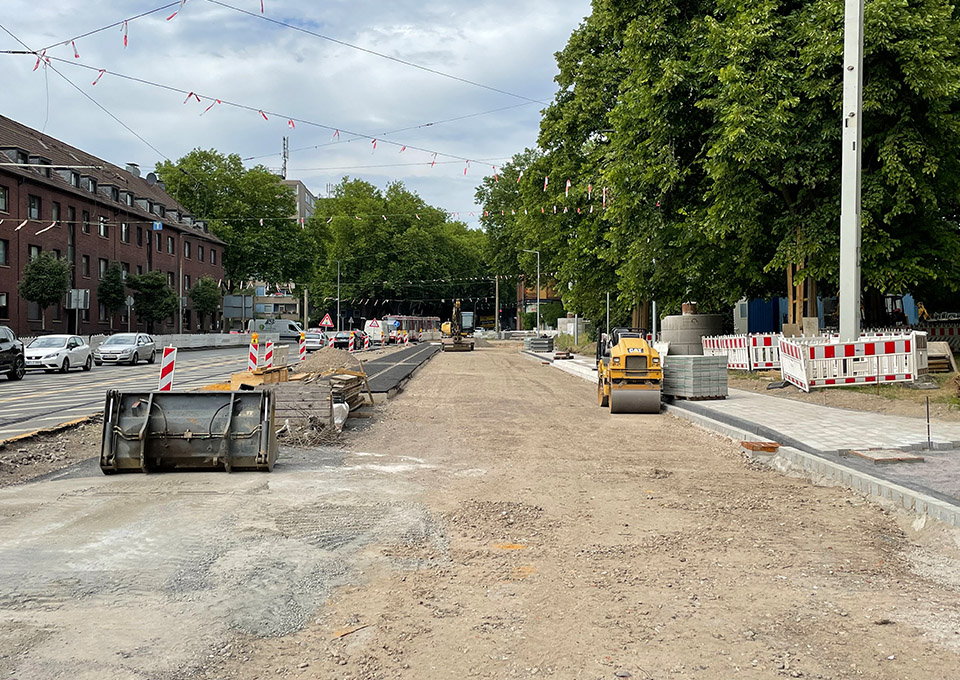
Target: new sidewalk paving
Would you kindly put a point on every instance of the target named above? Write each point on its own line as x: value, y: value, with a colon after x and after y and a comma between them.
x: 818, y: 439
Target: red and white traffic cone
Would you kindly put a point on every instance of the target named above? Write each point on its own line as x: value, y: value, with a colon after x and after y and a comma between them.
x: 303, y: 347
x: 366, y: 342
x: 351, y: 342
x: 168, y: 365
x: 254, y: 355
x: 268, y: 355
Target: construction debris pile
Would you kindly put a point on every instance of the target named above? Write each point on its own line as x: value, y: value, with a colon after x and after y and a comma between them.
x: 326, y: 360
x: 347, y: 389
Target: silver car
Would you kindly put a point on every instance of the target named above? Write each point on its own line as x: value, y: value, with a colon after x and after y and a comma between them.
x: 58, y: 353
x: 126, y: 348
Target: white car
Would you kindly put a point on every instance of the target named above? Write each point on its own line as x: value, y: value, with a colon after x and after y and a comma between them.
x: 315, y: 340
x: 58, y: 353
x: 126, y: 348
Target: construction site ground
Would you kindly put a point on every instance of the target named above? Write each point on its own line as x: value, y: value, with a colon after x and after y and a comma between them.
x: 491, y: 521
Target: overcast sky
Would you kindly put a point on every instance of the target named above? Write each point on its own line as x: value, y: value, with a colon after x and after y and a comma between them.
x: 222, y: 53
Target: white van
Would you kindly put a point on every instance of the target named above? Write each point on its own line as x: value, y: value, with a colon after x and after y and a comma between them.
x: 374, y: 328
x: 288, y: 330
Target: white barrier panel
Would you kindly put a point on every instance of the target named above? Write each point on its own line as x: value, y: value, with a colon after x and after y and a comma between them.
x: 824, y: 362
x: 764, y: 351
x: 735, y: 347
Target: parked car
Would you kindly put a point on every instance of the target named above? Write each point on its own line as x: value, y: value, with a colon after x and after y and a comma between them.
x: 58, y: 353
x: 126, y: 348
x: 342, y: 339
x: 11, y: 355
x: 314, y: 340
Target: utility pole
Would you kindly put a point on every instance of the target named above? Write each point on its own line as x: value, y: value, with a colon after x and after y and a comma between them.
x: 653, y: 319
x: 286, y: 156
x: 180, y: 297
x: 338, y: 296
x: 496, y: 305
x: 608, y: 312
x: 306, y: 306
x: 850, y: 171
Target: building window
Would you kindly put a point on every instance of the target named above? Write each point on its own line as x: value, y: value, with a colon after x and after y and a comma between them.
x: 125, y: 232
x: 34, y: 252
x: 103, y: 313
x: 33, y: 311
x: 213, y: 256
x: 125, y: 269
x: 4, y: 305
x: 170, y: 245
x: 33, y: 210
x: 56, y: 312
x: 170, y: 279
x: 85, y: 266
x: 55, y: 214
x: 128, y: 198
x: 186, y: 282
x: 139, y: 269
x: 4, y: 199
x: 86, y: 222
x: 84, y: 314
x: 159, y: 242
x: 4, y: 252
x: 115, y: 193
x: 75, y: 179
x: 103, y: 267
x: 71, y: 214
x: 186, y: 249
x: 199, y: 253
x: 102, y: 226
x: 139, y: 237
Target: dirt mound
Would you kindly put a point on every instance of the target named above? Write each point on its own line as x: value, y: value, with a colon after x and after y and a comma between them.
x: 327, y: 359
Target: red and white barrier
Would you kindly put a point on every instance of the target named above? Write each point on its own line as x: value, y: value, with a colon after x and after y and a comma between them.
x: 330, y: 342
x: 420, y: 335
x: 168, y: 364
x: 253, y: 358
x: 735, y: 347
x: 268, y: 355
x: 824, y: 362
x: 406, y: 339
x: 351, y: 342
x: 940, y: 331
x: 303, y: 347
x: 366, y: 341
x: 764, y: 351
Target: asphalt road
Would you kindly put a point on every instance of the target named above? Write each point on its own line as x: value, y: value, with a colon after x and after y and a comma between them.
x: 44, y: 400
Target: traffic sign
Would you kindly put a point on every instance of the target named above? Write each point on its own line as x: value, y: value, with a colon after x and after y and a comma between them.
x: 396, y: 323
x: 327, y: 321
x: 374, y: 324
x: 158, y: 226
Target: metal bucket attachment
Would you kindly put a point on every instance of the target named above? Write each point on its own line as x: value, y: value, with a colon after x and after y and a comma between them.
x: 155, y: 431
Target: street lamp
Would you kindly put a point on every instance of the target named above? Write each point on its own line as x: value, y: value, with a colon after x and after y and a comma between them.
x: 538, y: 285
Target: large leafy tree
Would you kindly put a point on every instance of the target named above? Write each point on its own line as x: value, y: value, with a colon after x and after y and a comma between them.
x: 153, y: 299
x: 714, y: 126
x: 235, y: 200
x: 391, y: 245
x: 45, y: 281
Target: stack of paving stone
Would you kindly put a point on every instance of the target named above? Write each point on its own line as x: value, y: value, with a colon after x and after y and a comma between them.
x: 347, y: 389
x: 539, y: 344
x: 695, y: 377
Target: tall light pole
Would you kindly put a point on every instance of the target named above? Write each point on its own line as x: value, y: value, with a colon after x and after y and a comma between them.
x: 538, y: 285
x: 850, y: 171
x: 338, y: 296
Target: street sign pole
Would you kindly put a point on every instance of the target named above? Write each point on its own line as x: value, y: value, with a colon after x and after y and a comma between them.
x: 850, y: 216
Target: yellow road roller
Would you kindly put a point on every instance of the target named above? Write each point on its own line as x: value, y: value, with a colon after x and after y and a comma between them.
x: 629, y: 374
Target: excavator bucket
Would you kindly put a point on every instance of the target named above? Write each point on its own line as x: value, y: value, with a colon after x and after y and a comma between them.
x: 157, y: 431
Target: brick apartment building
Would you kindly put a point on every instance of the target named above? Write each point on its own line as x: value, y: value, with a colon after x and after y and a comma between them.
x: 54, y: 197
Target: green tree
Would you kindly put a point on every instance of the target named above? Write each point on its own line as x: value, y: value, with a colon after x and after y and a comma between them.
x: 206, y: 297
x: 235, y: 200
x: 112, y: 290
x: 153, y: 299
x: 713, y: 129
x: 45, y: 281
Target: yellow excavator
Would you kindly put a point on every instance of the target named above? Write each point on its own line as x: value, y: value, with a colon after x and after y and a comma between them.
x: 629, y: 374
x: 453, y: 338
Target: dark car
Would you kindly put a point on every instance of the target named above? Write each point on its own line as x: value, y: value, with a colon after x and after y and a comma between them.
x: 11, y: 355
x: 342, y: 340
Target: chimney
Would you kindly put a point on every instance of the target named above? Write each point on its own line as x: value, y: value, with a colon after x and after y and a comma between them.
x: 133, y: 169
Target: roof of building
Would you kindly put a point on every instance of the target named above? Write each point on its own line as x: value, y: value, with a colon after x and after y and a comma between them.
x: 37, y: 145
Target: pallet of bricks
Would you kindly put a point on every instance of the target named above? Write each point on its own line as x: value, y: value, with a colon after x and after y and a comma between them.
x: 695, y: 377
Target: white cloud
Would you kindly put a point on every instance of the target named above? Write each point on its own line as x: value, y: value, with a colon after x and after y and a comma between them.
x: 221, y: 53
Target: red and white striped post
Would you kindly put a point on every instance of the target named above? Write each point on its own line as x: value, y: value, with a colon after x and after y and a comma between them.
x: 303, y: 346
x: 351, y: 342
x: 420, y: 335
x: 366, y: 342
x: 168, y: 365
x: 330, y: 342
x: 406, y: 339
x: 268, y: 355
x: 254, y: 354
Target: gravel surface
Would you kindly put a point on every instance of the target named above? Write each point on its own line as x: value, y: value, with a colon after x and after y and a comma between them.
x: 561, y: 541
x: 27, y: 459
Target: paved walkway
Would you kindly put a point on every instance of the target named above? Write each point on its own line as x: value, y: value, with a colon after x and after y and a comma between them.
x: 829, y: 433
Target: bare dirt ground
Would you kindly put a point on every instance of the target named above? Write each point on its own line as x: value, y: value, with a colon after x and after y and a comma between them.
x: 892, y: 399
x: 23, y: 460
x: 570, y: 543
